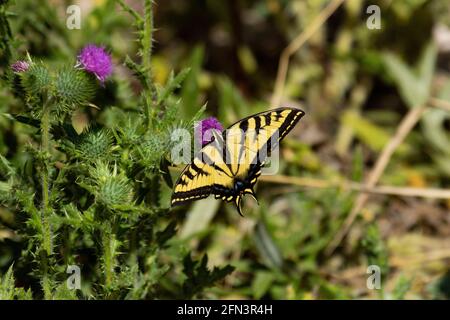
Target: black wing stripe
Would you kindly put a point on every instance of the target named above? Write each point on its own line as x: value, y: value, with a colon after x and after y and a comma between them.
x: 287, y: 125
x: 243, y: 125
x: 290, y: 121
x: 183, y: 197
x: 208, y: 161
x: 219, y: 169
x: 257, y: 124
x: 189, y: 174
x: 241, y: 149
x: 268, y: 119
x: 196, y: 169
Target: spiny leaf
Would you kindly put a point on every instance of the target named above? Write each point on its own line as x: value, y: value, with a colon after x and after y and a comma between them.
x: 7, y: 287
x: 172, y: 84
x: 199, y: 276
x: 6, y: 167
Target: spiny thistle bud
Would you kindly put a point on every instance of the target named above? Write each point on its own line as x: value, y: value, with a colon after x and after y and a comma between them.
x: 33, y: 85
x: 95, y: 143
x: 152, y: 149
x: 115, y: 191
x: 204, y: 127
x: 72, y: 88
x: 96, y: 60
x: 111, y: 188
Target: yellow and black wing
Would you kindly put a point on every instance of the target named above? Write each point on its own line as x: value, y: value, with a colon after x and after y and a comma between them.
x: 205, y: 174
x: 229, y: 168
x: 262, y: 134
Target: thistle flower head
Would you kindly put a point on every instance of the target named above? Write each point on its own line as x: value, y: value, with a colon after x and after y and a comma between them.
x: 20, y: 66
x: 204, y: 127
x: 96, y: 60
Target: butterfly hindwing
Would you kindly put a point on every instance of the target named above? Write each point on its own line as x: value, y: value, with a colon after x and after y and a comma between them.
x: 198, y: 180
x: 194, y: 183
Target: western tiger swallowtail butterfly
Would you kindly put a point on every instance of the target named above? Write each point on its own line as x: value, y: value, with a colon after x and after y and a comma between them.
x: 230, y: 164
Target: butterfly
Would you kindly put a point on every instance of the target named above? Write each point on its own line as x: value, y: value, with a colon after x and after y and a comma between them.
x: 230, y: 164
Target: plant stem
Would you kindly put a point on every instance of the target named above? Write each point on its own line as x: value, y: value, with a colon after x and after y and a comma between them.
x: 109, y: 252
x: 45, y: 149
x: 148, y: 36
x: 46, y: 230
x: 145, y: 26
x: 45, y: 282
x: 147, y: 42
x: 131, y: 11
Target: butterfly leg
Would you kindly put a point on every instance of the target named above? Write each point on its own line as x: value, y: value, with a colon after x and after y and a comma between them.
x: 252, y: 194
x: 238, y: 205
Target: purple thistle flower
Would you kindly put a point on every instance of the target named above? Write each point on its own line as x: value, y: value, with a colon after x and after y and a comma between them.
x: 20, y: 66
x: 96, y: 60
x: 204, y: 127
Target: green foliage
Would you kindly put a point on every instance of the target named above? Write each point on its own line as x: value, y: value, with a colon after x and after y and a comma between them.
x: 375, y: 250
x: 401, y: 289
x: 190, y: 91
x: 414, y: 83
x: 199, y: 277
x: 261, y: 283
x: 377, y: 254
x: 8, y: 290
x: 96, y: 196
x: 375, y: 137
x: 5, y: 34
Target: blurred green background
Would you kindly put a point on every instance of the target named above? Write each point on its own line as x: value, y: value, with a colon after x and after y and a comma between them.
x: 355, y: 85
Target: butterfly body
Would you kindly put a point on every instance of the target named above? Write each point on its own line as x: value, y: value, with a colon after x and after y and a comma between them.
x: 228, y: 167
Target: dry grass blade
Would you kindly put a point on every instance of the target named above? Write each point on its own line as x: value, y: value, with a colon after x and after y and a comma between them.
x: 297, y: 44
x: 439, y: 103
x: 432, y: 193
x: 408, y: 122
